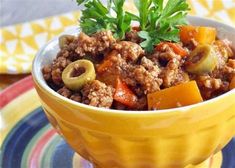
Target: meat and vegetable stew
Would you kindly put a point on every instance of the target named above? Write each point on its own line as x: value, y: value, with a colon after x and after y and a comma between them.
x: 161, y: 63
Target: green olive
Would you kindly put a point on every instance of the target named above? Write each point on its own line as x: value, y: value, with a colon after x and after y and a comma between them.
x: 74, y: 82
x: 202, y: 59
x: 64, y: 40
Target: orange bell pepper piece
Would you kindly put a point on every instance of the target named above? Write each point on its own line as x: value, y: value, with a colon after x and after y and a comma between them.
x: 124, y: 95
x: 104, y: 66
x: 201, y: 34
x: 175, y: 47
x: 176, y: 96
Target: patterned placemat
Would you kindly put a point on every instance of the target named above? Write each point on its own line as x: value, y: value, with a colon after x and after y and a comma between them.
x: 19, y: 43
x: 27, y: 138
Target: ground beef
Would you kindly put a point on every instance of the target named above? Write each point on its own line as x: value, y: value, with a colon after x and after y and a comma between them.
x: 58, y: 66
x: 141, y: 104
x: 170, y: 74
x: 208, y: 82
x: 168, y: 54
x: 216, y: 83
x: 220, y: 57
x: 142, y: 79
x: 94, y: 45
x: 226, y: 72
x: 147, y: 75
x: 46, y: 71
x: 211, y: 87
x: 229, y: 68
x: 182, y: 77
x: 171, y: 63
x: 97, y: 94
x: 129, y: 51
x: 150, y: 66
x: 70, y: 94
x: 133, y: 36
x: 119, y: 106
x: 65, y: 41
x: 63, y: 53
x: 68, y: 51
x: 65, y: 92
x: 76, y: 97
x: 163, y: 57
x: 53, y: 72
x: 144, y: 75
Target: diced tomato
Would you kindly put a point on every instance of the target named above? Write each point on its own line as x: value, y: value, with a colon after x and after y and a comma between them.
x: 175, y: 47
x: 124, y: 95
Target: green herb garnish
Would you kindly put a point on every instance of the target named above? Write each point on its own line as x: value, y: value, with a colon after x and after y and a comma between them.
x: 96, y: 17
x: 157, y: 22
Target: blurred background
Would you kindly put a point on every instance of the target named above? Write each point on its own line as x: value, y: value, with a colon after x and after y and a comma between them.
x: 22, y: 11
x: 17, y: 11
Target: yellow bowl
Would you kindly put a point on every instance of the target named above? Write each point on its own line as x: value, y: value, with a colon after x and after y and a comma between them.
x: 134, y: 139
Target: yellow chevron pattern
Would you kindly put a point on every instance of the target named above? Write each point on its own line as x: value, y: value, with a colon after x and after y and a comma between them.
x: 19, y: 43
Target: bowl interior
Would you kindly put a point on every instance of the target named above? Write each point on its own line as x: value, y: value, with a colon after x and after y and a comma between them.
x: 49, y: 51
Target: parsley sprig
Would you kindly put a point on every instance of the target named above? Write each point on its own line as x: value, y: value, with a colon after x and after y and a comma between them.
x: 158, y: 22
x: 96, y: 17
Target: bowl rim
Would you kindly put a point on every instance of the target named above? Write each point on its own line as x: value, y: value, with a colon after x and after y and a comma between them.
x: 42, y: 83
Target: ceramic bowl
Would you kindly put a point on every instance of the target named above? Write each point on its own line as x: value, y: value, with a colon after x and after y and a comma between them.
x: 139, y: 139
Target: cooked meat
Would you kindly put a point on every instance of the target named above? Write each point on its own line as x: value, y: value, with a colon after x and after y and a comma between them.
x: 133, y: 36
x: 211, y: 87
x: 65, y: 92
x: 170, y: 73
x: 163, y: 57
x: 140, y: 105
x: 95, y: 45
x: 119, y: 106
x: 129, y: 51
x: 142, y: 78
x: 76, y: 97
x: 58, y: 66
x: 143, y: 73
x: 46, y: 71
x: 226, y: 72
x: 230, y: 67
x: 147, y: 76
x: 208, y: 82
x: 97, y: 94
